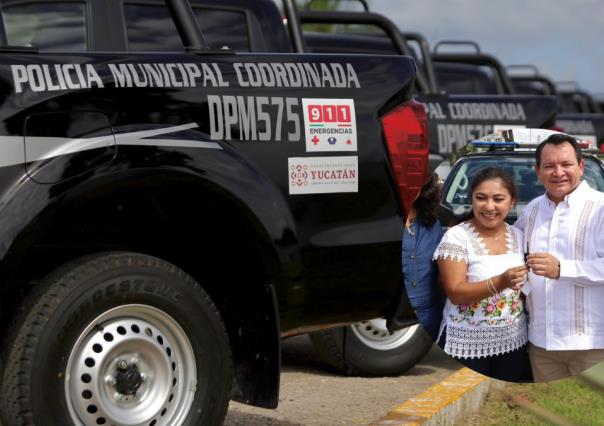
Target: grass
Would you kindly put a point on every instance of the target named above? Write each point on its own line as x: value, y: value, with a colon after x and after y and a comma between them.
x: 572, y: 401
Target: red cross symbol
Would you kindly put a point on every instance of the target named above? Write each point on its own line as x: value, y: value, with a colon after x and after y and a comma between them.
x: 348, y: 142
x: 315, y: 140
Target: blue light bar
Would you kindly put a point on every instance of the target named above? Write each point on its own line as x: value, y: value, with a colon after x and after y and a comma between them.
x: 495, y: 144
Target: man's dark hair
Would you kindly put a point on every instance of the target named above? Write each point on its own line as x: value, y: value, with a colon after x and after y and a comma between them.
x: 558, y: 139
x: 426, y: 205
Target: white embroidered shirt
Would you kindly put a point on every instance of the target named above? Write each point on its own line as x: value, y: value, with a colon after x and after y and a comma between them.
x: 567, y: 313
x: 494, y: 325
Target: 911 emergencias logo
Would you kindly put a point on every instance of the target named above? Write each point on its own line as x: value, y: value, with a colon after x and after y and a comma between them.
x: 329, y: 125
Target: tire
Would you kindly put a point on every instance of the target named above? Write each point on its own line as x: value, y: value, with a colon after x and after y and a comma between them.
x: 368, y: 349
x: 117, y: 339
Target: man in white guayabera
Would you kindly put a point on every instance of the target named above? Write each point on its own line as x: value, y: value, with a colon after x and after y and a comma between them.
x: 564, y: 236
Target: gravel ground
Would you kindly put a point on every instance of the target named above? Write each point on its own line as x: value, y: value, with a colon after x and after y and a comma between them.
x: 311, y: 395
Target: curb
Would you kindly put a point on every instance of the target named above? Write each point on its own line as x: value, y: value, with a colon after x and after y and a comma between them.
x: 442, y: 404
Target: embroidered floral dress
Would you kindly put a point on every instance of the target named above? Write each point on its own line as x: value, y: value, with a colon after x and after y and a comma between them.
x: 494, y: 325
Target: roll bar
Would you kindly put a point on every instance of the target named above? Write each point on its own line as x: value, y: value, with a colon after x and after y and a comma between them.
x: 572, y: 88
x: 367, y: 18
x: 424, y: 48
x: 296, y: 18
x: 480, y: 59
x: 531, y: 75
x: 522, y: 67
x: 293, y: 23
x: 568, y: 86
x: 186, y: 24
x: 3, y: 39
x: 363, y: 2
x: 457, y: 43
x: 550, y: 88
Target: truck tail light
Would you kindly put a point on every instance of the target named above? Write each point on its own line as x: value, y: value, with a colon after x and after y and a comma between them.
x: 406, y: 133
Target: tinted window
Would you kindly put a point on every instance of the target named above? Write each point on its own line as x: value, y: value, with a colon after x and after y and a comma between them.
x: 593, y: 174
x: 457, y: 195
x: 465, y: 79
x: 530, y: 87
x: 59, y: 27
x: 223, y: 28
x: 150, y: 28
x: 566, y: 104
x: 573, y: 102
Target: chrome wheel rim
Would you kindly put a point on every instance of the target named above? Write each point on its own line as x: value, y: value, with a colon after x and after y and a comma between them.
x: 373, y: 333
x: 132, y: 365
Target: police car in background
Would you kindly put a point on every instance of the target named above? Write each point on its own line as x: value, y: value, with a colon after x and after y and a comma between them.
x: 514, y: 151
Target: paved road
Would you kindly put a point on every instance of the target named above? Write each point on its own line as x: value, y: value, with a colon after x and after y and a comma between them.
x: 311, y: 395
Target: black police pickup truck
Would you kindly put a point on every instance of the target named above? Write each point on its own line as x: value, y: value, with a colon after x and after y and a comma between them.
x: 168, y: 215
x: 462, y: 101
x: 579, y: 113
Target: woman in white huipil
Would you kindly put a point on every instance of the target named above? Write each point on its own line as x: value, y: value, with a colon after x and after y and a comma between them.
x: 482, y: 268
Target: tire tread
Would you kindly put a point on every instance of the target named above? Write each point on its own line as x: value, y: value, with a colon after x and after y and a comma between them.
x: 341, y: 349
x: 19, y: 346
x: 330, y: 346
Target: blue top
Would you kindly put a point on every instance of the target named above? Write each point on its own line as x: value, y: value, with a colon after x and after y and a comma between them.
x: 420, y: 274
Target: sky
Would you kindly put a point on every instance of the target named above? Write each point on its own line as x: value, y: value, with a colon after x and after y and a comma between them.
x: 564, y: 39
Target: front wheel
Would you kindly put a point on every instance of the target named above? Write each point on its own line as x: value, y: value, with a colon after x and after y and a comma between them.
x: 368, y: 349
x: 117, y: 339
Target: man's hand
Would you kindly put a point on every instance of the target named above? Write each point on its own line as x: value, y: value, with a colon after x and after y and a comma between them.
x: 544, y: 264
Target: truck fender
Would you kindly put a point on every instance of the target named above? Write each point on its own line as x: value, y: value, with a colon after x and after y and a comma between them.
x: 48, y: 224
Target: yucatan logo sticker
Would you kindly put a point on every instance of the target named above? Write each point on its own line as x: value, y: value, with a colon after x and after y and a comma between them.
x: 298, y: 175
x: 322, y: 175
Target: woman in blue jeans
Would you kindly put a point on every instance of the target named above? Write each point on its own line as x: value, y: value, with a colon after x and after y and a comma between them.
x: 421, y: 235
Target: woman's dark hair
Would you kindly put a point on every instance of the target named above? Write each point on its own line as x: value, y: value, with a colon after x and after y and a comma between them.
x: 426, y: 205
x: 491, y: 173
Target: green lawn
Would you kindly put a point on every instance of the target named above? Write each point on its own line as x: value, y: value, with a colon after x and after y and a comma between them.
x: 571, y: 401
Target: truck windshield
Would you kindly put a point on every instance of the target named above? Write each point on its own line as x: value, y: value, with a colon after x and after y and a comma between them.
x: 522, y: 168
